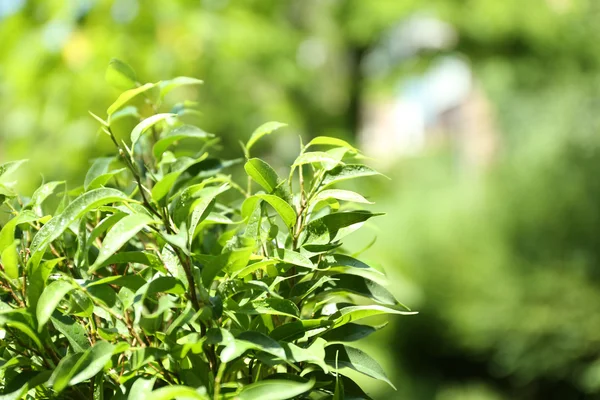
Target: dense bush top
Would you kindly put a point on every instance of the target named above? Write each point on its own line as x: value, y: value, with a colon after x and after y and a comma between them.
x: 161, y: 277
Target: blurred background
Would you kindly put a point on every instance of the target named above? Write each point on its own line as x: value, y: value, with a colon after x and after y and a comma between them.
x: 485, y: 113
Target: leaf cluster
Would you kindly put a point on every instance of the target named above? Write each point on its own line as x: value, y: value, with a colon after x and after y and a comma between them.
x: 161, y: 277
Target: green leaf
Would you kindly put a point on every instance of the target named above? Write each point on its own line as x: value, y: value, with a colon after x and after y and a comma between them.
x: 99, y: 167
x: 333, y: 227
x: 271, y: 306
x: 233, y: 260
x: 10, y: 260
x: 8, y: 168
x: 351, y: 332
x: 176, y: 392
x: 127, y: 96
x: 334, y: 264
x: 250, y: 268
x: 285, y: 211
x: 345, y: 172
x: 33, y: 380
x: 120, y: 75
x: 167, y: 86
x: 274, y: 389
x: 141, y: 389
x: 251, y: 340
x: 139, y: 257
x: 264, y: 129
x: 262, y: 173
x: 20, y: 321
x: 339, y: 194
x: 57, y: 225
x: 64, y: 371
x: 72, y: 330
x: 50, y: 299
x: 297, y: 329
x: 120, y: 234
x: 316, y: 157
x: 93, y: 361
x: 7, y: 234
x: 353, y: 358
x: 294, y: 258
x: 200, y: 209
x: 355, y: 313
x: 42, y: 193
x: 314, y: 354
x: 330, y: 141
x: 146, y: 124
x: 177, y: 134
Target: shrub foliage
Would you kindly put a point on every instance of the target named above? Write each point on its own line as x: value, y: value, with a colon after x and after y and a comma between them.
x: 161, y: 277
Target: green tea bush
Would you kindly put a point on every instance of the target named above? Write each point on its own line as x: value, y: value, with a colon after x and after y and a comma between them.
x: 162, y: 278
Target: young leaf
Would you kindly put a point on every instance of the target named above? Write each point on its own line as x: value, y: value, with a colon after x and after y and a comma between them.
x: 285, y: 211
x: 146, y: 124
x: 167, y: 86
x: 120, y: 75
x: 330, y: 141
x: 339, y: 194
x: 262, y: 173
x: 333, y: 227
x: 316, y: 157
x: 120, y: 234
x: 353, y: 358
x: 274, y: 389
x: 8, y: 168
x: 177, y: 134
x: 251, y: 340
x: 10, y: 260
x: 264, y: 129
x: 176, y: 392
x: 345, y: 172
x: 355, y: 313
x: 127, y: 96
x: 49, y: 300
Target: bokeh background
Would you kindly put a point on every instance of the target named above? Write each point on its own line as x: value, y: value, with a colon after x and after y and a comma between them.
x: 485, y: 113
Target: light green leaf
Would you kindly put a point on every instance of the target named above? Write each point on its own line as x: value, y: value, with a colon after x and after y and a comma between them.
x: 342, y: 264
x: 120, y: 75
x: 127, y: 96
x: 353, y: 358
x: 297, y: 329
x: 250, y: 268
x: 330, y: 141
x: 57, y: 225
x: 7, y: 234
x: 285, y: 211
x: 179, y: 133
x: 8, y: 168
x: 200, y: 209
x: 167, y: 86
x: 339, y: 194
x: 73, y: 331
x: 271, y: 306
x: 314, y: 354
x: 146, y: 124
x: 355, y: 313
x: 251, y: 340
x: 120, y: 234
x: 20, y: 321
x: 42, y: 193
x: 177, y: 392
x: 316, y: 157
x: 274, y: 389
x: 10, y: 260
x: 262, y: 173
x: 99, y: 167
x: 93, y: 361
x: 64, y: 371
x: 141, y: 389
x: 49, y: 300
x: 345, y: 172
x: 333, y: 227
x: 294, y: 258
x: 264, y: 129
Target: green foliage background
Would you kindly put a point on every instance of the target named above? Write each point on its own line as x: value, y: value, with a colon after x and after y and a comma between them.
x: 502, y: 263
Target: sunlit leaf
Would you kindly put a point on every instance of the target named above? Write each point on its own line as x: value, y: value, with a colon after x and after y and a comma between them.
x: 263, y: 130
